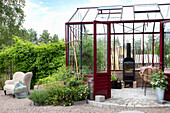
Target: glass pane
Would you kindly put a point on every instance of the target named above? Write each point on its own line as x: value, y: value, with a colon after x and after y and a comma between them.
x: 167, y: 45
x: 165, y: 11
x: 128, y: 27
x: 112, y: 52
x: 149, y: 7
x: 79, y: 15
x: 102, y: 17
x: 141, y: 16
x: 156, y: 50
x: 138, y: 27
x: 101, y: 48
x: 128, y: 13
x: 91, y: 15
x: 118, y: 27
x: 87, y: 45
x: 110, y: 7
x: 113, y: 17
x: 138, y: 51
x: 148, y: 49
x: 119, y: 52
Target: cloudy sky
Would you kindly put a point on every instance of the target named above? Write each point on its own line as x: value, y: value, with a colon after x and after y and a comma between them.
x: 52, y: 15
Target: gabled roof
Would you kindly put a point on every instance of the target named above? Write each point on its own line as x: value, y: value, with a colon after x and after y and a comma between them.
x: 119, y: 13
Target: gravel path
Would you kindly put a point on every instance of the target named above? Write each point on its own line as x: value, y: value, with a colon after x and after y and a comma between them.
x: 8, y: 104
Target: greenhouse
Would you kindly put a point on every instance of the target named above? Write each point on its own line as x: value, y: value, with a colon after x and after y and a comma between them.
x: 97, y: 41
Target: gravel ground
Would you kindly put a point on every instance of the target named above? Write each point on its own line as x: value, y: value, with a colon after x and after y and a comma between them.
x: 8, y: 104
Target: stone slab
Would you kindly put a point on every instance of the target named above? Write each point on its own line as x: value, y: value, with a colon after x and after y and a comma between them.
x: 99, y: 98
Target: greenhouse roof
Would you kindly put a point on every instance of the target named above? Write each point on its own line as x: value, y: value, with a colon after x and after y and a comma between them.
x: 121, y: 13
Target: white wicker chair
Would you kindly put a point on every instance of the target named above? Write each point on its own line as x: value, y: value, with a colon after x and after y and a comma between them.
x: 18, y: 76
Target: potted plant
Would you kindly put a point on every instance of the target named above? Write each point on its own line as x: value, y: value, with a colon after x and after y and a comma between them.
x: 159, y: 82
x: 113, y: 81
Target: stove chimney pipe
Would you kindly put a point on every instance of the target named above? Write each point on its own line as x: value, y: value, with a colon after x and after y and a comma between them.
x: 128, y: 50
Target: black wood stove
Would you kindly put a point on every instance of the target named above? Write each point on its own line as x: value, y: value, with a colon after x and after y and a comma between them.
x: 128, y: 68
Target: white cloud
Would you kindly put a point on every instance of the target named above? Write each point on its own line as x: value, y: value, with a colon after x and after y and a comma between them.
x: 41, y: 2
x: 40, y: 18
x: 43, y: 10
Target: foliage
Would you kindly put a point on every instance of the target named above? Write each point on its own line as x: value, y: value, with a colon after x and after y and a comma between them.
x: 60, y: 75
x: 59, y: 94
x: 42, y: 60
x: 38, y: 96
x: 46, y: 80
x: 65, y: 95
x: 11, y: 19
x: 159, y: 80
x: 113, y: 77
x: 46, y: 38
x: 73, y: 89
x: 80, y: 92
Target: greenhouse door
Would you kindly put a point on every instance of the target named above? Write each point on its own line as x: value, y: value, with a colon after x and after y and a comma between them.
x: 164, y: 58
x: 102, y: 71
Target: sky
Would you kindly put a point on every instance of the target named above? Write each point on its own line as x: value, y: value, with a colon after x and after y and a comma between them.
x: 52, y: 15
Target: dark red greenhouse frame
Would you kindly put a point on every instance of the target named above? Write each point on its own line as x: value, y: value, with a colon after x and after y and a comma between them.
x: 105, y: 77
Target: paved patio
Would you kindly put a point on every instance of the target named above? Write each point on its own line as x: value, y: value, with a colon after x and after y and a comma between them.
x: 130, y: 98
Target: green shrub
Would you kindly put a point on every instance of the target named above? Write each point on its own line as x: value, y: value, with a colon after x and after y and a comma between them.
x: 39, y: 96
x: 46, y: 80
x: 65, y: 95
x: 73, y: 90
x: 73, y: 81
x: 59, y: 94
x: 80, y: 92
x: 43, y: 60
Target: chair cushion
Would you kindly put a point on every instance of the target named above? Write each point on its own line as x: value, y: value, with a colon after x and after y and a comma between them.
x: 10, y: 88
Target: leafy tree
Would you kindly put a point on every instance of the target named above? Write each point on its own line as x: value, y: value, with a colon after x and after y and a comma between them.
x: 32, y: 36
x: 54, y: 39
x: 45, y: 37
x: 11, y: 19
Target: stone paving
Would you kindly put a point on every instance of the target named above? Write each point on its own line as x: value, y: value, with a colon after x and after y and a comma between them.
x: 131, y: 97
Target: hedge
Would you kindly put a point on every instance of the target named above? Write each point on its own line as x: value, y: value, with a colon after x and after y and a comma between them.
x: 42, y: 60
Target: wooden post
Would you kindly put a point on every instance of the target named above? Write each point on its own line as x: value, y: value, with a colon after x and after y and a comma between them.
x: 75, y: 59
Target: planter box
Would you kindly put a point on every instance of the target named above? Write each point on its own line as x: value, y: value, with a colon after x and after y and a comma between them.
x: 42, y: 86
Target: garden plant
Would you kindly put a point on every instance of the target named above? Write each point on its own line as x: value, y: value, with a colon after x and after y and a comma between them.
x: 65, y: 94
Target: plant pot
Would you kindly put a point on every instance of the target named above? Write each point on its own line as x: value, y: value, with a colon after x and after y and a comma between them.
x: 119, y: 85
x: 114, y: 84
x: 160, y: 94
